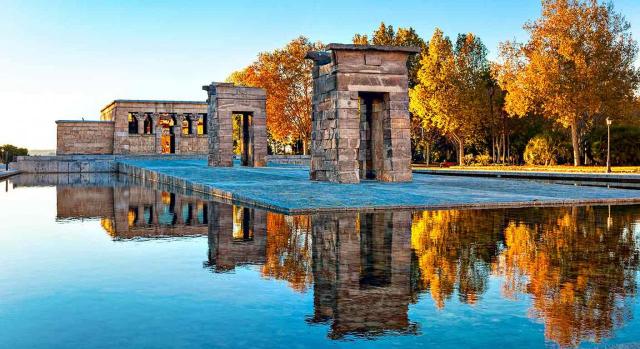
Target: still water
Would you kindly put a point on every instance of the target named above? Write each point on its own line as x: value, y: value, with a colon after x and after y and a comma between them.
x: 98, y: 261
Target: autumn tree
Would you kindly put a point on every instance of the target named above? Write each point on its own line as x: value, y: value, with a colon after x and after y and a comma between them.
x: 451, y: 91
x: 286, y: 76
x: 576, y: 68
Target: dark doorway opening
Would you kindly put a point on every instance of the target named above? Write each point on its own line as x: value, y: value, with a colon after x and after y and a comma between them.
x: 370, y: 157
x: 375, y: 249
x: 243, y: 137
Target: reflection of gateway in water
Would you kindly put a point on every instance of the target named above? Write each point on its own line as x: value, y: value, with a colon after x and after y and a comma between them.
x: 362, y: 268
x: 237, y: 235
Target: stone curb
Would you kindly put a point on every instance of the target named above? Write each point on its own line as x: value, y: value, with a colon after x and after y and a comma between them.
x: 599, y: 177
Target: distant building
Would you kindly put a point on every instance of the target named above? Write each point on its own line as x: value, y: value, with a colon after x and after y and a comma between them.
x: 138, y: 127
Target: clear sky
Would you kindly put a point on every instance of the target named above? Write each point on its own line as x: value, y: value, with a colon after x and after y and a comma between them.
x: 68, y: 59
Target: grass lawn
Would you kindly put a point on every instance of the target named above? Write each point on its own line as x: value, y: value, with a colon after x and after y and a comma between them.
x: 557, y: 168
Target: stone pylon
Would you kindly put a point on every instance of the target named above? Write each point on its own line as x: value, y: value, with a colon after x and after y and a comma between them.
x: 361, y: 123
x: 226, y: 100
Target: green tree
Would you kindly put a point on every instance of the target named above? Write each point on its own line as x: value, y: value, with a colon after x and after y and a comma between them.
x: 8, y: 151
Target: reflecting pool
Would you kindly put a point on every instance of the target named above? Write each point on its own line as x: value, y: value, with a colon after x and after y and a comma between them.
x: 103, y: 261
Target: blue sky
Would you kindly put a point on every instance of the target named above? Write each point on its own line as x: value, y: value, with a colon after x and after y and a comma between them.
x: 67, y: 59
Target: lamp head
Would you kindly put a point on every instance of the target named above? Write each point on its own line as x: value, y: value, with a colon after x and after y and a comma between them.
x: 609, y: 121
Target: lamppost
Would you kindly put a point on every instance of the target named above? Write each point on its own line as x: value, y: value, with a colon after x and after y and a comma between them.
x: 608, y: 145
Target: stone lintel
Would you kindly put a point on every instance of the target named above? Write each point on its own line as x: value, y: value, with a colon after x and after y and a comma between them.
x: 384, y: 48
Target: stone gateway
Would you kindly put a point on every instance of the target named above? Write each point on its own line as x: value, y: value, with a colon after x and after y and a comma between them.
x: 248, y: 104
x: 361, y: 123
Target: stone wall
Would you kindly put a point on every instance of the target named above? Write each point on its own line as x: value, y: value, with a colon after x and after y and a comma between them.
x: 85, y: 163
x: 302, y: 160
x: 84, y: 137
x: 67, y: 164
x: 361, y: 121
x: 140, y: 143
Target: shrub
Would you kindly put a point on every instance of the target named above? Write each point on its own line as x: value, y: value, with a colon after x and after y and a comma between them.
x: 468, y: 160
x: 483, y: 159
x: 546, y: 149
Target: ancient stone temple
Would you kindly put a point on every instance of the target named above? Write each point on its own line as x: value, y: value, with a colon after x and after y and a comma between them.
x: 361, y: 124
x: 138, y: 127
x: 245, y: 106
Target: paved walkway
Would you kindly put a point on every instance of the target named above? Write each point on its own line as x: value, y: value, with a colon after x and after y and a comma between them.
x: 287, y: 189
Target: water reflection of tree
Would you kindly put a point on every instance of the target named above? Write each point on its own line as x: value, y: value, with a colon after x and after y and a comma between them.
x: 578, y: 267
x: 288, y: 252
x: 579, y: 272
x: 453, y: 251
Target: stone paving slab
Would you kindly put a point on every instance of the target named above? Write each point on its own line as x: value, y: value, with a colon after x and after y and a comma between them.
x: 287, y: 188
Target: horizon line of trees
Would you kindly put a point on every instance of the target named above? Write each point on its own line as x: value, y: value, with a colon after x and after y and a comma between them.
x: 543, y: 101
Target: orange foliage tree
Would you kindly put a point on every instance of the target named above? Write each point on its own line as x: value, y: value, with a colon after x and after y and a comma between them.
x: 286, y: 76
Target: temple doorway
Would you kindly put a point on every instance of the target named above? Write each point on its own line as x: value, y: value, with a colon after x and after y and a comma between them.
x: 167, y: 137
x: 370, y: 156
x: 243, y: 137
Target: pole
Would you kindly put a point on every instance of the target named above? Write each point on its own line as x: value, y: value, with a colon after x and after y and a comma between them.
x: 608, y: 145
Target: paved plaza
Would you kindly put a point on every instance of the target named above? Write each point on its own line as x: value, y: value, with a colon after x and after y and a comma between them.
x: 288, y: 188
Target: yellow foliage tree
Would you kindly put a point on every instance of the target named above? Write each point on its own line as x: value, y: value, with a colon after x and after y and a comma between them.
x: 451, y: 93
x: 576, y: 68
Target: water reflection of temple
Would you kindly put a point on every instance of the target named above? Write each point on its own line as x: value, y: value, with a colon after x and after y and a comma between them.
x: 237, y: 235
x: 134, y: 212
x: 142, y: 212
x: 578, y: 265
x: 362, y: 270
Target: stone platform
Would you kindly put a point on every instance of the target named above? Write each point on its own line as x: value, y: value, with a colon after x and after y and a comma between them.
x: 287, y: 189
x: 8, y: 173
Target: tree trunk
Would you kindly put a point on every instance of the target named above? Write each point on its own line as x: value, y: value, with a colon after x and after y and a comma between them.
x: 575, y: 144
x: 493, y: 147
x: 461, y: 153
x: 304, y: 146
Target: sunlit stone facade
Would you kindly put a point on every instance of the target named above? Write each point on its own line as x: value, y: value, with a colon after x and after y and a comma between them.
x: 138, y: 127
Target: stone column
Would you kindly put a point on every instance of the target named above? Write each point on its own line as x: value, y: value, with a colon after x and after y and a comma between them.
x: 140, y: 117
x: 177, y: 133
x: 193, y: 124
x: 157, y: 132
